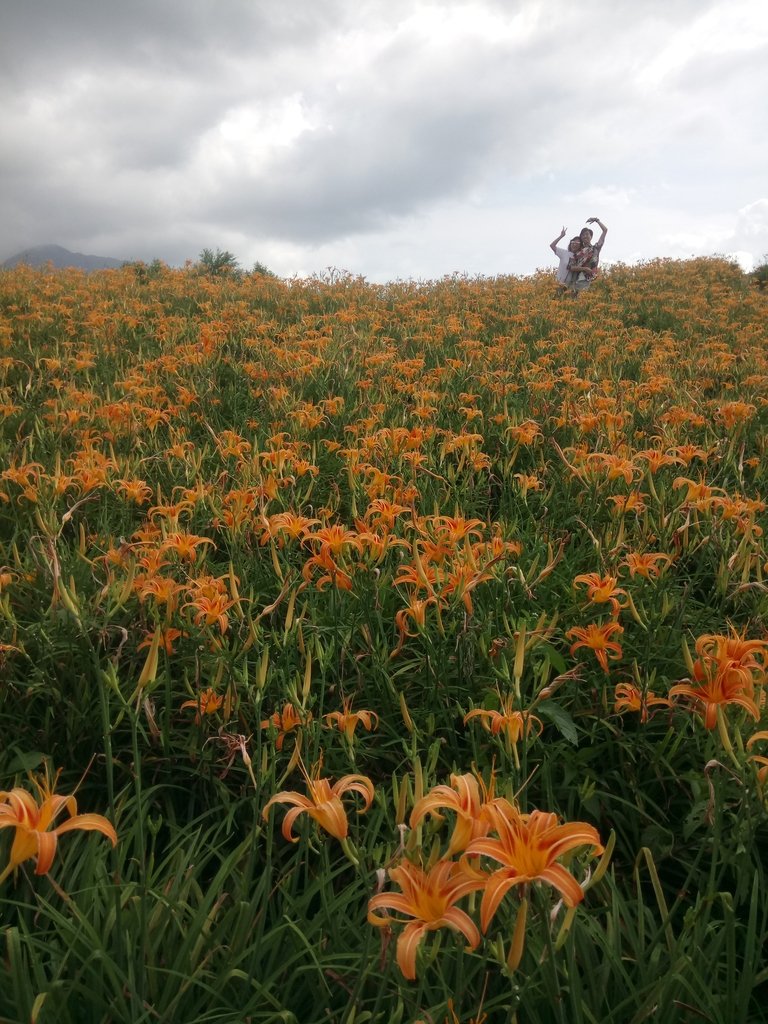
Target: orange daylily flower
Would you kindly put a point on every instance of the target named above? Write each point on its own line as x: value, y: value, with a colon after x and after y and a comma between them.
x: 333, y: 540
x: 33, y: 820
x: 163, y: 589
x: 137, y: 491
x: 185, y: 545
x: 381, y: 514
x: 597, y: 638
x: 332, y: 573
x: 152, y: 559
x: 429, y: 897
x: 285, y: 524
x: 416, y: 612
x: 720, y: 684
x: 762, y: 772
x: 648, y: 564
x: 688, y: 452
x: 209, y: 599
x: 748, y: 658
x: 632, y: 502
x: 470, y: 798
x: 207, y: 702
x: 656, y: 459
x: 529, y: 482
x: 347, y: 720
x: 514, y: 724
x: 285, y: 722
x: 7, y: 578
x: 461, y: 580
x: 455, y: 528
x: 417, y: 575
x: 525, y: 433
x: 698, y: 494
x: 168, y: 637
x: 528, y: 847
x: 374, y: 546
x: 629, y: 698
x: 323, y: 803
x: 601, y: 589
x: 615, y: 466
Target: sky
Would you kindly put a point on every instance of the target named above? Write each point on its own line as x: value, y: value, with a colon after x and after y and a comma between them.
x: 391, y: 139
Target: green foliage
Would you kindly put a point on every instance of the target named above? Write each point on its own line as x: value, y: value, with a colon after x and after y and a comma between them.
x: 262, y: 269
x: 759, y: 275
x: 215, y: 388
x: 220, y: 263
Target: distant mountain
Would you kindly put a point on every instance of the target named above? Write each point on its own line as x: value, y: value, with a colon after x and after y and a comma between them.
x: 41, y: 255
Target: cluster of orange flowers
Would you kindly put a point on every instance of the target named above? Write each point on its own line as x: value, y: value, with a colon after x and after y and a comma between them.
x: 524, y: 847
x: 393, y: 440
x: 727, y: 670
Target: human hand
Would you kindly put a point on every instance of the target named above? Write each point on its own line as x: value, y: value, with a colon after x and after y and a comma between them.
x: 592, y: 220
x: 562, y: 233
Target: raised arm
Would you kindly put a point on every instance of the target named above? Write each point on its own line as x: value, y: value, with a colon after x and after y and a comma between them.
x: 603, y: 229
x: 560, y: 237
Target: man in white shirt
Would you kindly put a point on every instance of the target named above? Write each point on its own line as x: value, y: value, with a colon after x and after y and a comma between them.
x: 564, y: 255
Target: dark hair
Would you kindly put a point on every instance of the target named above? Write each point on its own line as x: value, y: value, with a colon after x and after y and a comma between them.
x: 589, y: 231
x: 576, y: 238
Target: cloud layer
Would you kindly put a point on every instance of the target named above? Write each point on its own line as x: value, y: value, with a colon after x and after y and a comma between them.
x: 391, y: 139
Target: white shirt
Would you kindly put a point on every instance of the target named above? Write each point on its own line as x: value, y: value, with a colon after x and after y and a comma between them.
x: 564, y: 256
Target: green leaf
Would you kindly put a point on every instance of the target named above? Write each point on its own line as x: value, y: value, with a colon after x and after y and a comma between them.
x: 26, y: 761
x: 561, y: 720
x: 553, y: 656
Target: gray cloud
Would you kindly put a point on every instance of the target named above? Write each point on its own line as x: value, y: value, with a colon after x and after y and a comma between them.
x: 157, y: 128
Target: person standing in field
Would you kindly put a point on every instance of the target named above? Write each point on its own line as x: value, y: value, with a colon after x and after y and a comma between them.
x: 582, y: 268
x: 565, y: 256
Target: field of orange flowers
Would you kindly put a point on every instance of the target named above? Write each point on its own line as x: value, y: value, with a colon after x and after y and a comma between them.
x: 383, y: 653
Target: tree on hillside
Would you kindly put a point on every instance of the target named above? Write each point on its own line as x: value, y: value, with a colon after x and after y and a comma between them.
x: 218, y: 263
x: 147, y: 271
x: 759, y: 275
x: 263, y: 269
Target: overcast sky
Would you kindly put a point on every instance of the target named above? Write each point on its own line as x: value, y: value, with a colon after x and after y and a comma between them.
x: 388, y: 138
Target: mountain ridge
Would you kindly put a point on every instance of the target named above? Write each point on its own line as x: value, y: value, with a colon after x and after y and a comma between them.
x: 60, y: 258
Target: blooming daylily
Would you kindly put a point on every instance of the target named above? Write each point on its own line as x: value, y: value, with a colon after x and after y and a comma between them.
x: 746, y: 660
x: 647, y: 564
x: 207, y: 702
x: 285, y: 722
x: 597, y: 638
x: 513, y: 724
x: 346, y: 721
x: 629, y: 698
x: 32, y: 819
x: 602, y: 589
x: 323, y: 803
x: 762, y: 771
x: 429, y: 897
x: 469, y: 798
x: 720, y: 683
x: 527, y: 846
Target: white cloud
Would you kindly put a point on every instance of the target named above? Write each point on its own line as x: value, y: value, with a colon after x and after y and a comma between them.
x: 753, y: 221
x: 732, y: 27
x: 610, y: 197
x: 746, y: 260
x: 400, y: 138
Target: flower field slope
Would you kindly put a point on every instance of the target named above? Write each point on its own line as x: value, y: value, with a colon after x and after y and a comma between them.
x: 406, y: 644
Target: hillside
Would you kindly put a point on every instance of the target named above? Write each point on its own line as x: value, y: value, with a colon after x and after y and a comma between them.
x: 383, y: 653
x: 59, y: 257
